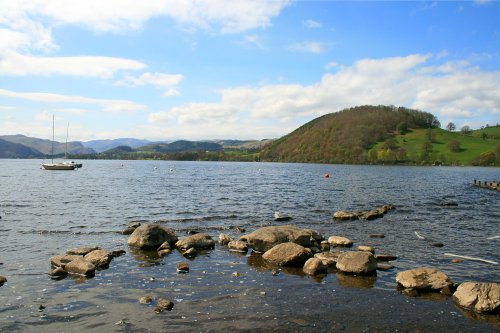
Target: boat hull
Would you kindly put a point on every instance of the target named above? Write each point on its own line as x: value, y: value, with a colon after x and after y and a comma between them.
x: 58, y: 166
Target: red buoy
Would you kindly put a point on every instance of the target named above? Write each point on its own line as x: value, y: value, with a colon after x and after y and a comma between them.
x: 327, y: 175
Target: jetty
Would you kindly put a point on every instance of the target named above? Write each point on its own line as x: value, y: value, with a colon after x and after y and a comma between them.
x: 491, y: 185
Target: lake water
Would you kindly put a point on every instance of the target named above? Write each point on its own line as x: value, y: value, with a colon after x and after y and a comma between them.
x: 45, y: 213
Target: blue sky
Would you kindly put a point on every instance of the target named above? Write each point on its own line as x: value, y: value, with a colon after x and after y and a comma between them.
x: 213, y: 69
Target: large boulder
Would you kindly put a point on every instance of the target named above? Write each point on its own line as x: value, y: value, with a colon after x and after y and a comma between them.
x: 356, y: 262
x: 423, y: 279
x: 314, y: 266
x: 478, y: 297
x: 61, y: 260
x: 196, y: 241
x: 80, y: 266
x: 328, y: 258
x: 100, y: 258
x: 287, y: 254
x: 151, y: 236
x: 263, y: 239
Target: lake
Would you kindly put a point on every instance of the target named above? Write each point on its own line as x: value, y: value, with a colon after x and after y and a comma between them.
x: 45, y: 213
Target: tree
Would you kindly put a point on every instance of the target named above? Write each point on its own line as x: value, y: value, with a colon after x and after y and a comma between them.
x: 453, y: 146
x: 402, y: 127
x: 465, y: 130
x: 451, y: 127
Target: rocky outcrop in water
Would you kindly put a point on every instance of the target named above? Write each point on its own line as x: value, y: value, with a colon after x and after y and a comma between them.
x: 363, y: 215
x: 150, y: 235
x: 197, y: 241
x: 100, y: 258
x: 339, y: 241
x: 423, y: 279
x: 287, y: 254
x: 314, y: 266
x: 478, y: 296
x: 263, y: 239
x: 164, y: 249
x: 328, y: 258
x: 357, y: 262
x: 238, y: 246
x: 224, y: 239
x: 131, y: 228
x: 3, y: 279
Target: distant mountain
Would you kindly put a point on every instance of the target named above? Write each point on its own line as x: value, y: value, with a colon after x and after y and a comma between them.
x: 119, y: 150
x: 45, y: 146
x: 180, y: 146
x: 242, y: 144
x: 16, y: 150
x: 103, y: 145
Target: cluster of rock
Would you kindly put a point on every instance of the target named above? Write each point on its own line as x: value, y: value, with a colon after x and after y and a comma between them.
x: 81, y: 261
x: 162, y: 304
x: 363, y: 215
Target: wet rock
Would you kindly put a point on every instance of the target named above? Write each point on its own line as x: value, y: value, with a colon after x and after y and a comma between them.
x: 384, y: 267
x: 100, y: 258
x: 3, y: 279
x: 376, y: 236
x: 236, y: 274
x: 240, y: 229
x: 81, y: 267
x: 117, y: 253
x: 456, y: 261
x: 238, y: 246
x: 343, y: 215
x: 480, y: 297
x: 164, y: 249
x: 325, y: 246
x: 385, y: 257
x: 281, y: 217
x: 364, y: 215
x: 448, y: 204
x: 192, y: 232
x: 357, y: 262
x: 423, y: 279
x: 314, y: 266
x: 328, y: 258
x: 224, y: 239
x: 131, y: 228
x: 182, y: 267
x: 151, y: 236
x: 165, y: 304
x: 197, y: 241
x: 365, y: 248
x: 263, y: 239
x: 437, y: 244
x: 60, y: 260
x: 190, y: 253
x: 145, y: 300
x: 316, y: 237
x: 81, y: 251
x: 339, y: 241
x: 58, y: 273
x: 287, y: 254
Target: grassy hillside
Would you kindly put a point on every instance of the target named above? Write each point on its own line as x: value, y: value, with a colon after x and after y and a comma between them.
x: 16, y: 150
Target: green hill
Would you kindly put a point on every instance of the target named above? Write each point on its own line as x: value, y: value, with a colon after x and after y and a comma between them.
x: 45, y: 146
x: 381, y: 135
x: 180, y: 146
x: 16, y: 150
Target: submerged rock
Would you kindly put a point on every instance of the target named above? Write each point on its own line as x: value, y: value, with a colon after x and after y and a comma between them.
x: 238, y: 246
x: 81, y: 251
x: 100, y: 258
x: 164, y: 304
x: 146, y: 300
x: 151, y: 236
x: 131, y: 228
x: 263, y: 239
x: 385, y: 257
x: 224, y: 239
x: 164, y: 249
x: 363, y: 215
x: 81, y: 267
x: 58, y: 273
x: 423, y: 279
x: 314, y: 266
x: 287, y: 254
x: 190, y: 253
x: 196, y: 241
x: 478, y: 296
x: 183, y: 267
x: 357, y: 262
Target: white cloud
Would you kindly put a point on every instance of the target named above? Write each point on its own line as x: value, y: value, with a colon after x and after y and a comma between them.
x: 311, y: 24
x: 308, y: 47
x: 162, y: 80
x: 331, y: 65
x: 107, y: 105
x: 447, y: 90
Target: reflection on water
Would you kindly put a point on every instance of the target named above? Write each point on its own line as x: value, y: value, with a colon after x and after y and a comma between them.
x: 356, y: 281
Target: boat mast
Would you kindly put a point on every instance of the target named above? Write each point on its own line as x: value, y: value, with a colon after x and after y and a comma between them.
x: 52, y: 152
x: 66, y: 151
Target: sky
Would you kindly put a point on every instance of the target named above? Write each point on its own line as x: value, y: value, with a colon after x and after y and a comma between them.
x: 240, y: 69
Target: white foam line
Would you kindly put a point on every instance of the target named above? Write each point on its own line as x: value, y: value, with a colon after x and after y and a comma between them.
x: 471, y: 258
x: 419, y: 236
x: 493, y: 237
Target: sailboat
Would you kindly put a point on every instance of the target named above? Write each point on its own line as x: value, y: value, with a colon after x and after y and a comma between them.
x: 66, y: 165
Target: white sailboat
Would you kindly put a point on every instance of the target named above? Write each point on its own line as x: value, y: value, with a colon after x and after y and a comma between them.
x: 66, y: 165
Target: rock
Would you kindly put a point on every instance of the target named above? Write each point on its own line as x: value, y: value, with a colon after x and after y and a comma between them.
x: 117, y: 253
x: 164, y: 304
x: 343, y: 215
x: 339, y: 241
x: 357, y: 262
x: 100, y: 258
x: 58, y: 273
x: 315, y: 236
x: 365, y: 215
x: 384, y: 267
x: 60, y: 260
x: 151, y: 236
x: 314, y: 266
x: 437, y: 244
x: 80, y: 266
x: 456, y: 261
x: 164, y: 249
x: 81, y: 251
x: 240, y: 229
x: 263, y: 239
x: 238, y: 246
x: 376, y: 236
x: 287, y: 254
x: 3, y: 279
x: 325, y: 246
x: 236, y: 274
x: 480, y: 297
x: 279, y: 217
x: 385, y: 257
x: 131, y: 228
x: 423, y: 279
x: 224, y: 239
x: 328, y: 258
x: 182, y: 267
x: 145, y: 300
x: 190, y: 253
x: 365, y: 248
x: 196, y: 241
